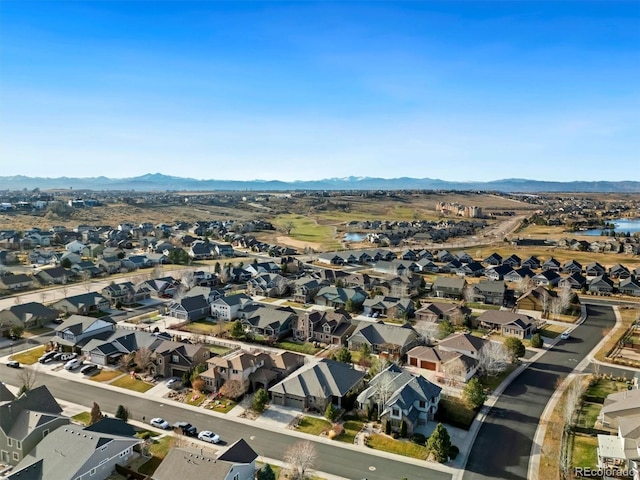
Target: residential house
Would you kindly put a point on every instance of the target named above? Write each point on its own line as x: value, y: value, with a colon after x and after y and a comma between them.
x: 190, y: 309
x: 509, y: 324
x: 110, y: 265
x: 269, y: 322
x: 472, y: 269
x: 494, y: 259
x: 438, y: 311
x: 124, y: 293
x: 224, y: 250
x: 259, y: 268
x: 200, y: 250
x: 513, y: 261
x: 330, y: 258
x: 519, y: 274
x: 305, y: 288
x: 82, y: 304
x: 546, y: 278
x: 532, y: 262
x: 629, y: 286
x: 601, y: 285
x: 107, y: 348
x: 594, y: 269
x: 330, y: 327
x: 411, y: 399
x: 575, y: 281
x: 498, y: 273
x: 619, y: 272
x: 25, y: 421
x: 572, y: 266
x: 173, y: 359
x: 227, y: 308
x: 489, y: 292
x: 57, y: 275
x: 402, y: 286
x: 551, y: 264
x: 77, y: 330
x: 15, y: 282
x: 392, y: 307
x: 538, y: 299
x: 316, y: 384
x: 360, y: 280
x: 426, y: 265
x: 448, y: 287
x: 210, y: 293
x: 26, y: 315
x: 164, y: 287
x: 338, y: 297
x: 394, y: 340
x: 236, y: 462
x: 269, y: 285
x: 443, y: 256
x: 75, y: 247
x: 75, y: 452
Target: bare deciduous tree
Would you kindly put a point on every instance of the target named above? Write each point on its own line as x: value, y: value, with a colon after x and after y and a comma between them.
x: 28, y: 377
x: 188, y: 279
x: 232, y: 389
x: 493, y: 359
x: 469, y: 294
x: 454, y: 371
x: 300, y: 457
x: 565, y: 295
x: 143, y: 358
x: 524, y: 285
x: 428, y: 331
x: 556, y: 307
x: 383, y: 388
x: 288, y: 227
x: 545, y: 301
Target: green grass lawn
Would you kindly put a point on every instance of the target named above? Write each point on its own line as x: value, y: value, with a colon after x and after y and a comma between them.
x: 400, y: 447
x: 106, y: 375
x: 199, y: 398
x: 491, y: 382
x: 307, y: 348
x: 203, y: 327
x: 29, y: 357
x: 588, y: 414
x: 603, y: 387
x: 312, y: 425
x: 158, y: 450
x: 222, y: 406
x: 351, y: 429
x: 132, y: 384
x: 83, y: 417
x: 307, y: 229
x: 219, y: 349
x: 584, y: 451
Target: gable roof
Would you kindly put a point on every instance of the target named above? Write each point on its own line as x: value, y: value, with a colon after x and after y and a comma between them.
x: 381, y: 333
x: 37, y: 400
x: 463, y: 341
x: 326, y: 377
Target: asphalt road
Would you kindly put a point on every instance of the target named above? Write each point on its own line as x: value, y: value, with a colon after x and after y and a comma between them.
x: 503, y: 445
x: 331, y: 459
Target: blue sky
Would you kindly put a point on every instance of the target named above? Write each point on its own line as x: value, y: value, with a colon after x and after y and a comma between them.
x: 468, y: 90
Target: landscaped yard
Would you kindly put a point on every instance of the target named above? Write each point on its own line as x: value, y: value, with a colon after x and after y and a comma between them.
x: 195, y: 398
x: 588, y: 414
x: 454, y: 411
x: 351, y: 429
x: 222, y: 406
x: 551, y: 331
x: 206, y: 327
x: 312, y: 425
x: 83, y: 417
x: 126, y: 381
x: 400, y: 447
x: 34, y: 332
x: 491, y: 382
x: 219, y: 349
x: 158, y: 450
x: 585, y: 451
x: 106, y: 375
x: 29, y: 357
x: 602, y: 388
x: 307, y: 348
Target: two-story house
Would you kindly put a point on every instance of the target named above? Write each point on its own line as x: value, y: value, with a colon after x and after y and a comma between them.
x: 82, y: 304
x: 227, y: 308
x: 77, y: 330
x: 173, y: 359
x: 331, y: 327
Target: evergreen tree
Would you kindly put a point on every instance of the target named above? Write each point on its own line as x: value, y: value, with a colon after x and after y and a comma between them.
x: 536, y: 341
x: 331, y: 412
x: 474, y: 394
x: 122, y: 413
x: 236, y: 329
x: 266, y: 473
x: 439, y: 443
x: 403, y: 429
x: 260, y: 400
x: 515, y: 347
x: 342, y: 355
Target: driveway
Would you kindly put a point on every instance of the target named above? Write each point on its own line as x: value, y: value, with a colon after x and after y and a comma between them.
x: 277, y: 416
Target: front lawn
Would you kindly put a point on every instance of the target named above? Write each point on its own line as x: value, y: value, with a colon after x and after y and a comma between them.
x: 312, y: 425
x: 400, y: 447
x: 158, y: 450
x: 29, y: 357
x: 602, y: 388
x: 126, y: 381
x: 351, y: 429
x: 221, y: 406
x: 34, y: 332
x: 219, y: 349
x: 83, y: 417
x: 106, y: 375
x: 454, y: 411
x: 585, y: 451
x: 491, y: 382
x: 195, y: 398
x: 306, y: 347
x: 551, y: 331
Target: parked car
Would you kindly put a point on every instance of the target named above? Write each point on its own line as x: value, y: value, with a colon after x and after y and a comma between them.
x: 186, y: 429
x: 57, y: 321
x: 208, y: 436
x: 89, y: 369
x: 66, y: 356
x: 565, y: 336
x: 72, y: 364
x: 174, y: 383
x: 160, y: 423
x: 13, y: 364
x: 47, y: 357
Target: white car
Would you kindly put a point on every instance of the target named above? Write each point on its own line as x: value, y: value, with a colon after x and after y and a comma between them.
x: 173, y: 383
x: 565, y: 336
x: 160, y: 423
x: 208, y: 436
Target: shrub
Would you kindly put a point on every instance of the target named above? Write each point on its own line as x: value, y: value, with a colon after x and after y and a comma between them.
x: 331, y: 412
x: 536, y: 341
x: 403, y: 429
x: 453, y: 452
x: 418, y: 438
x: 260, y: 400
x: 199, y: 384
x: 387, y: 427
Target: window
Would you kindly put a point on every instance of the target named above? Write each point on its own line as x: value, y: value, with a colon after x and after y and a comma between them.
x: 18, y: 445
x: 236, y: 476
x: 92, y: 472
x: 234, y: 371
x: 422, y: 404
x: 45, y: 433
x: 9, y: 442
x: 16, y: 456
x: 174, y: 359
x: 395, y: 412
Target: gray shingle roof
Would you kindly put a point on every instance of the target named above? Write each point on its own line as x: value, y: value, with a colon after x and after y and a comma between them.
x: 326, y: 376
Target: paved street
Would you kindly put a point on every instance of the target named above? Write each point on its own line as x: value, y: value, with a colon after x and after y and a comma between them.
x: 335, y: 460
x: 503, y: 445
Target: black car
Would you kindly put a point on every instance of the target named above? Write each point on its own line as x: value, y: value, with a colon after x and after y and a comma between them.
x: 186, y: 429
x: 88, y: 369
x: 47, y: 357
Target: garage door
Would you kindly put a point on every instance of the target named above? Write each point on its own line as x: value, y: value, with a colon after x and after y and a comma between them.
x: 413, y: 361
x: 294, y: 402
x: 427, y: 365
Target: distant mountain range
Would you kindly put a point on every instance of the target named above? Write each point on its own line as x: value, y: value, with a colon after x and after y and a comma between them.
x: 160, y: 182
